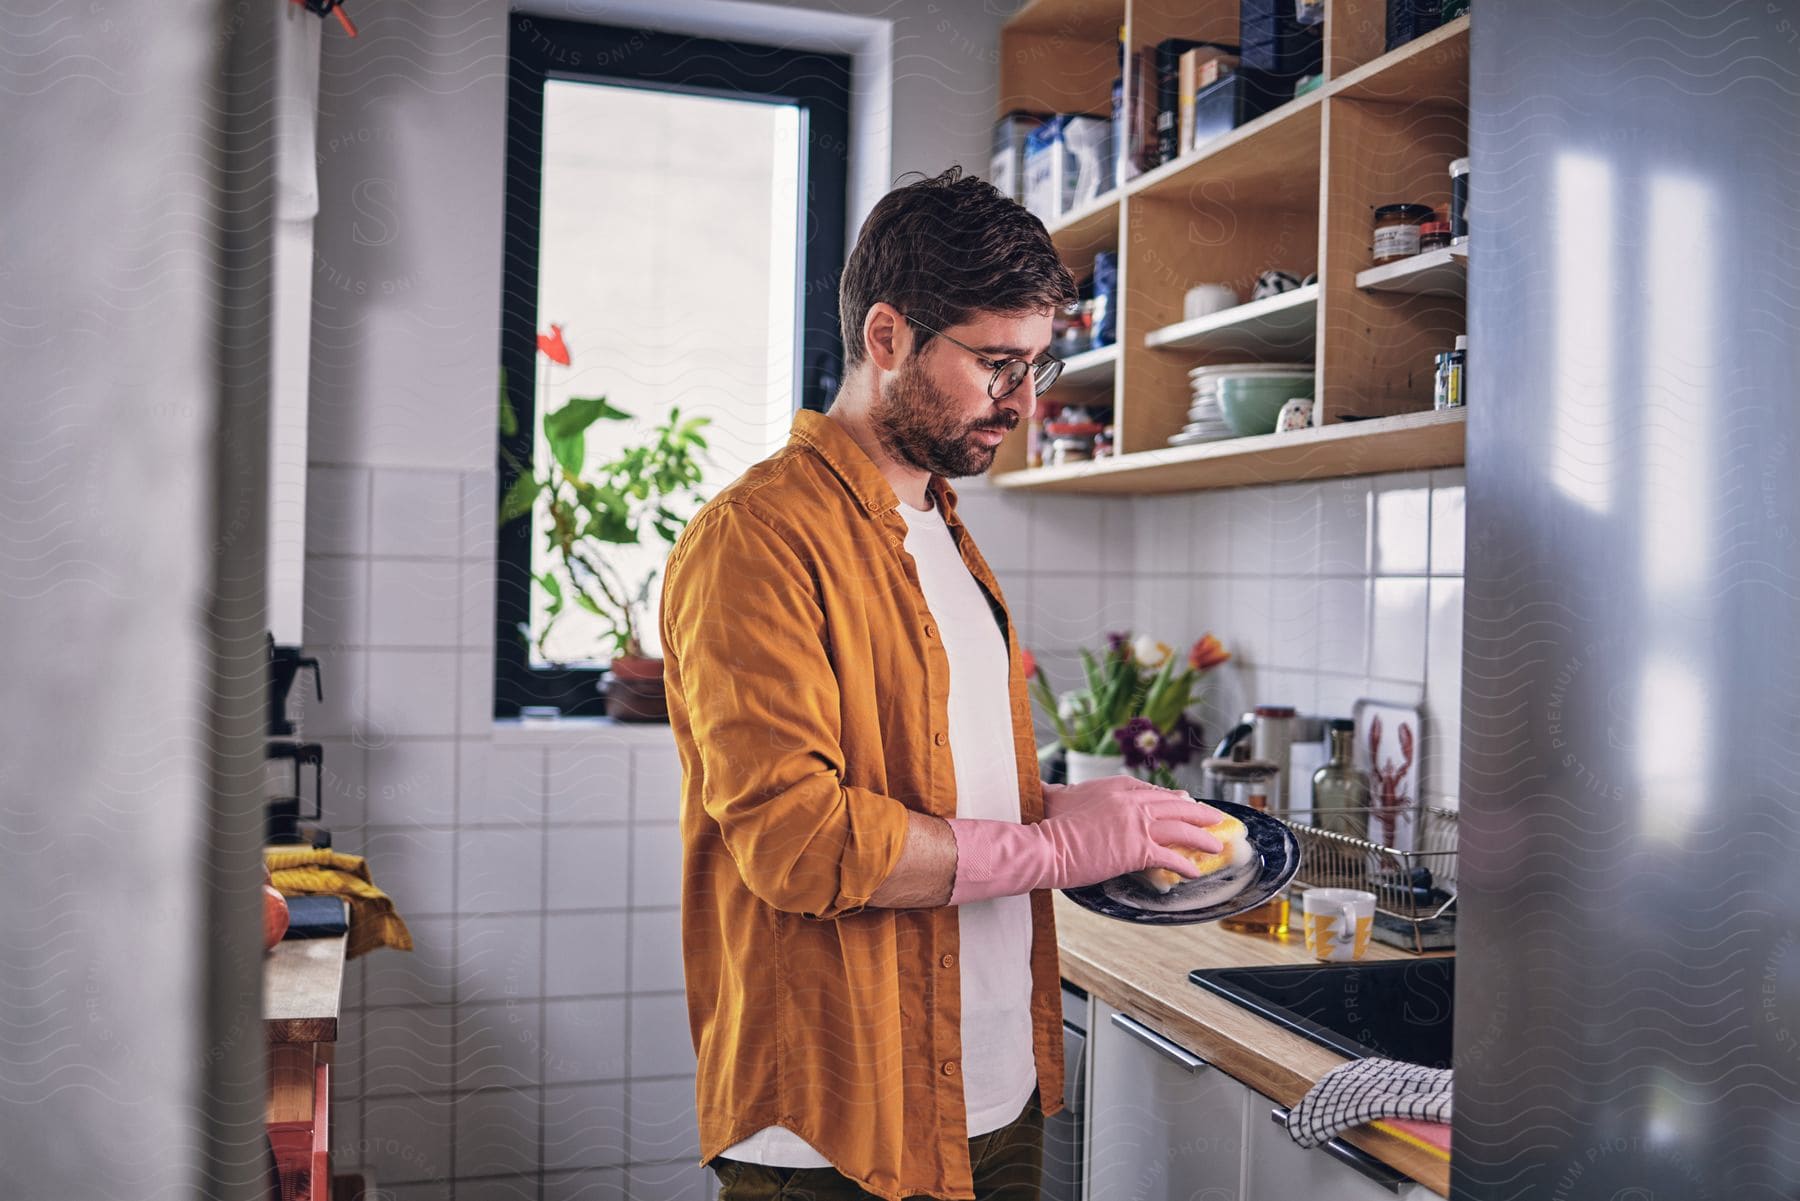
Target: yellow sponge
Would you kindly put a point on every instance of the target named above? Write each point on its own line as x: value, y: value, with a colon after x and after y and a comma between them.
x: 1230, y: 833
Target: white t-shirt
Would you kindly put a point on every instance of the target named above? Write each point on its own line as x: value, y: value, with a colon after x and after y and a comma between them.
x: 999, y: 1069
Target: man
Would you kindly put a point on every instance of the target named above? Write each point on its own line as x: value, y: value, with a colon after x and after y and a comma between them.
x: 867, y: 926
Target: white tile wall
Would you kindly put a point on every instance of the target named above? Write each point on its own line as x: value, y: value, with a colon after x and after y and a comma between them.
x: 537, y: 877
x: 584, y: 1126
x: 1324, y: 592
x: 497, y: 1133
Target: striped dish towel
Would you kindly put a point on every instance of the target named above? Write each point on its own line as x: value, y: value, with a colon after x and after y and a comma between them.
x: 1364, y: 1090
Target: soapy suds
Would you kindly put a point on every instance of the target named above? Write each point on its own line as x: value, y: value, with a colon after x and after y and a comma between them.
x: 1214, y: 888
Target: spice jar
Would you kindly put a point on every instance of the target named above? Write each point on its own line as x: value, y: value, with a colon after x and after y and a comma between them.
x: 1103, y: 442
x: 1447, y: 388
x: 1397, y: 230
x: 1434, y: 234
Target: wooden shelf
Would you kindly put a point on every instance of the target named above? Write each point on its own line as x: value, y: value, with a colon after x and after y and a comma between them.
x: 1086, y: 231
x: 1068, y: 18
x: 1291, y: 190
x: 1275, y: 325
x: 1441, y: 272
x: 303, y: 983
x: 1407, y: 442
x: 1276, y: 150
x: 1090, y: 368
x: 1433, y: 69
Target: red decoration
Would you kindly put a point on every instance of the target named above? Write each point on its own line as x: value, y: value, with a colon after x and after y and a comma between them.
x: 552, y: 346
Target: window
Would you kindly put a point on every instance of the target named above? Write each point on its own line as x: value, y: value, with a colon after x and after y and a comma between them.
x: 677, y: 206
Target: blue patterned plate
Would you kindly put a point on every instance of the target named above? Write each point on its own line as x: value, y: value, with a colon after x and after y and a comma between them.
x: 1274, y: 857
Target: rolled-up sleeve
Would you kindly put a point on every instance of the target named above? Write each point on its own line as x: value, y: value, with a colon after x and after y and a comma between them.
x: 745, y: 643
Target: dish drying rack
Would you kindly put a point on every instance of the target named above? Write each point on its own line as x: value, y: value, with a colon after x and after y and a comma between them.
x: 1415, y: 890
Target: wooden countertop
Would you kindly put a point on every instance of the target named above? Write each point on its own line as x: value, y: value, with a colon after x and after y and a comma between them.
x: 1142, y: 970
x: 303, y: 985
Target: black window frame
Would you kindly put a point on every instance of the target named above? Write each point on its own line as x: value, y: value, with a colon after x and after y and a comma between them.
x: 541, y: 49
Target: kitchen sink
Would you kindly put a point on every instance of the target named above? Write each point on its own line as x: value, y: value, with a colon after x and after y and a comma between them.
x: 1393, y: 1009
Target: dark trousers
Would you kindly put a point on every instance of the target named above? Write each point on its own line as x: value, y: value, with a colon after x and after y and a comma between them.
x: 1008, y: 1165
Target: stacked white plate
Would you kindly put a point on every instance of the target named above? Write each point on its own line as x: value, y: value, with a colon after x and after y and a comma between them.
x: 1205, y: 422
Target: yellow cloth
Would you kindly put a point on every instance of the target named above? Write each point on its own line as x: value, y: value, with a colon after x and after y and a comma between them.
x: 314, y: 871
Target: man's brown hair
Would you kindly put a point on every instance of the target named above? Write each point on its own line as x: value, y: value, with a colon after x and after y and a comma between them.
x: 944, y: 249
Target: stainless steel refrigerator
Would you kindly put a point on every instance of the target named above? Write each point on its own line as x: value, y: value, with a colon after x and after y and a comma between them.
x: 1628, y: 996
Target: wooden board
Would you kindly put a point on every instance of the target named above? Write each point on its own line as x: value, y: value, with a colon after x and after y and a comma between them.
x: 1408, y: 442
x: 1377, y: 350
x: 1274, y: 156
x: 1090, y: 367
x: 1273, y: 328
x: 1143, y: 971
x: 1087, y: 19
x: 1432, y: 69
x: 1442, y: 272
x: 1058, y: 69
x: 1085, y: 232
x: 292, y: 1070
x: 303, y: 985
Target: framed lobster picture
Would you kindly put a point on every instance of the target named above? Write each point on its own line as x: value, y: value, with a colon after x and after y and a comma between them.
x: 1387, y: 748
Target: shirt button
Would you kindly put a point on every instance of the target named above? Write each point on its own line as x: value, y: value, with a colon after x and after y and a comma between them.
x: 949, y: 1067
x: 931, y: 631
x: 939, y: 738
x: 948, y: 960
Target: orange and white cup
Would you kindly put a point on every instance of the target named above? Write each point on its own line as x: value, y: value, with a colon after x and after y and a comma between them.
x: 1337, y: 922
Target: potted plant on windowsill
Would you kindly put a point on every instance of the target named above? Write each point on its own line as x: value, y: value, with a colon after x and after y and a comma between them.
x: 594, y: 507
x: 1132, y: 715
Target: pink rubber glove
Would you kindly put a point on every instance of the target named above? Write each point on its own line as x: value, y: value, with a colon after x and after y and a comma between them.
x: 1090, y: 832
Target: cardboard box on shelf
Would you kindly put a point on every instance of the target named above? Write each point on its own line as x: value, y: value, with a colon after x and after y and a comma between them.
x: 1200, y: 68
x: 1007, y: 167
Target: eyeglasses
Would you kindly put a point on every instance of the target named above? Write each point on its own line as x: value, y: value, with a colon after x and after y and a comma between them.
x: 1008, y: 373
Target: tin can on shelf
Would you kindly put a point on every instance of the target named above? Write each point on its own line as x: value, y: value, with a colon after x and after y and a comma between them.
x: 1459, y: 201
x: 1448, y: 391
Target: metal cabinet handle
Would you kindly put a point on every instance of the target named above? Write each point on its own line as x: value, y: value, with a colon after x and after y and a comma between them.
x: 1388, y: 1178
x: 1151, y: 1038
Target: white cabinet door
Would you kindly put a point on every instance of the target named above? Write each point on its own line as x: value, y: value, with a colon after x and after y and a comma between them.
x: 1277, y: 1168
x: 1164, y: 1125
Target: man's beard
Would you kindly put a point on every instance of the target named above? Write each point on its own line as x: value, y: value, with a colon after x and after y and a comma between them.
x: 915, y: 423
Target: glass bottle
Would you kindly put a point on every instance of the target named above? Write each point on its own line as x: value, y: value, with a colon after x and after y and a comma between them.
x: 1341, y: 792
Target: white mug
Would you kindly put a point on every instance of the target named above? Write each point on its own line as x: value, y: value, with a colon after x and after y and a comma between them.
x: 1204, y: 299
x: 1337, y: 922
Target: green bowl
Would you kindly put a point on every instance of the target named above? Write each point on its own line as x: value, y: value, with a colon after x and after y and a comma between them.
x: 1251, y: 411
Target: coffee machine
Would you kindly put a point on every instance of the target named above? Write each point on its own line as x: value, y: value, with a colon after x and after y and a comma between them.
x: 1266, y: 733
x: 286, y: 746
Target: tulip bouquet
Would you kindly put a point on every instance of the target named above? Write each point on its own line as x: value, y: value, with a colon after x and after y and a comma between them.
x: 1135, y: 702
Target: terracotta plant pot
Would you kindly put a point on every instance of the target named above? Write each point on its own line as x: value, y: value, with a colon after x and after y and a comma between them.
x: 633, y: 689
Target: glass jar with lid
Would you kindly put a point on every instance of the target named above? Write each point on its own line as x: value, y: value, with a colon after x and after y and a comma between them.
x: 1250, y: 782
x: 1397, y: 230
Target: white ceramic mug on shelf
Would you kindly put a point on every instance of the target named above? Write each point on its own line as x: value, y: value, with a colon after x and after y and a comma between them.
x: 1338, y: 921
x: 1205, y: 299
